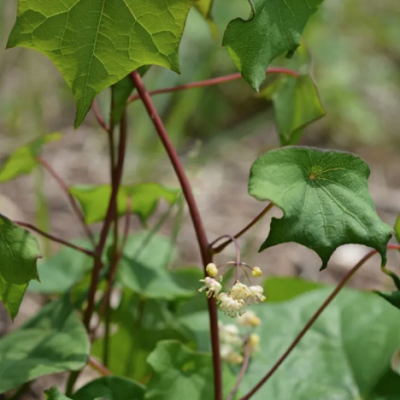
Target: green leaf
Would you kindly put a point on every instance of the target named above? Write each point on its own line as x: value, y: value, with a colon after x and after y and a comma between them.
x: 97, y: 43
x: 23, y: 160
x: 143, y: 268
x: 180, y: 373
x: 60, y: 272
x: 345, y: 355
x: 52, y: 341
x: 285, y: 288
x: 122, y: 91
x: 145, y: 196
x: 397, y: 229
x: 111, y: 388
x: 19, y: 252
x: 296, y: 104
x: 325, y: 199
x: 204, y: 8
x: 54, y: 394
x: 275, y: 28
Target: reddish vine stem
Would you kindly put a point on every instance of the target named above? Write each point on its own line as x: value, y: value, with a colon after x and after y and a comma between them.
x: 71, y: 199
x: 98, y: 116
x: 212, y: 82
x: 242, y: 232
x: 99, y: 367
x: 310, y: 323
x: 196, y: 219
x: 55, y: 239
x: 107, y: 222
x: 242, y: 372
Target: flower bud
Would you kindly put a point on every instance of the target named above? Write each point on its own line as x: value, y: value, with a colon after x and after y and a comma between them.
x: 212, y: 270
x: 256, y: 272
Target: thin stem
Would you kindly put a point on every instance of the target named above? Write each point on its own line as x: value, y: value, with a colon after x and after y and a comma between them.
x: 71, y: 199
x: 99, y: 367
x: 242, y: 372
x: 212, y: 82
x: 310, y: 323
x: 222, y: 246
x: 107, y: 222
x: 98, y: 116
x: 196, y: 219
x: 55, y: 239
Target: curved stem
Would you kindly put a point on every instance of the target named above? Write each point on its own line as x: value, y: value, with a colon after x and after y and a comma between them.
x: 196, y: 219
x: 243, y: 231
x: 71, y: 199
x: 309, y: 324
x: 212, y: 82
x: 98, y: 116
x: 103, y: 370
x: 55, y: 239
x: 241, y: 373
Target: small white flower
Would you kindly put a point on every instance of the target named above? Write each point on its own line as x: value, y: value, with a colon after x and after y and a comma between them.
x: 256, y: 272
x: 257, y: 293
x: 213, y: 287
x: 229, y: 334
x: 229, y: 355
x: 254, y: 343
x: 239, y: 291
x: 212, y: 270
x: 249, y: 319
x: 230, y: 306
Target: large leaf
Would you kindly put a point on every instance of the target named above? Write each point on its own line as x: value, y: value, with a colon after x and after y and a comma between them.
x: 275, y: 28
x: 23, y: 160
x: 19, y: 252
x: 325, y: 199
x: 143, y: 268
x: 145, y: 196
x: 345, y: 355
x: 53, y: 341
x: 296, y: 105
x: 60, y: 272
x: 111, y: 388
x: 96, y: 43
x: 180, y: 373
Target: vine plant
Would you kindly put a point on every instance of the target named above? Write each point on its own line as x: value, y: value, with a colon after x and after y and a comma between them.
x: 163, y: 349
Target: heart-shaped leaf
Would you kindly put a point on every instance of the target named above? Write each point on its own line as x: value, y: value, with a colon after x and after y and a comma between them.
x: 94, y: 199
x: 23, y: 160
x: 275, y: 28
x: 325, y: 199
x: 19, y: 252
x: 96, y: 43
x: 345, y: 355
x: 52, y: 341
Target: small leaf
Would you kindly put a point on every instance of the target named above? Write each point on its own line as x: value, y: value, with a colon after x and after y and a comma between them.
x: 52, y: 341
x: 325, y: 199
x: 145, y: 196
x: 23, y: 161
x: 143, y: 268
x: 54, y: 394
x: 275, y: 28
x: 296, y: 105
x: 345, y: 355
x: 180, y: 373
x: 119, y: 36
x: 111, y: 388
x: 60, y: 272
x: 19, y: 252
x: 397, y: 229
x: 204, y: 8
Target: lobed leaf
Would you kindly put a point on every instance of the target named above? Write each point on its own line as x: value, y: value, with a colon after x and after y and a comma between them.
x: 96, y: 43
x: 23, y: 160
x: 325, y: 199
x: 52, y: 341
x: 274, y: 28
x: 19, y: 252
x: 94, y: 199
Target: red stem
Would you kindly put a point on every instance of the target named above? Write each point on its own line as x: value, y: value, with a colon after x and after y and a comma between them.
x: 71, y: 199
x: 196, y: 219
x: 98, y: 116
x: 242, y: 372
x: 55, y: 239
x: 99, y: 367
x: 212, y: 82
x: 107, y: 222
x: 310, y: 323
x: 243, y: 231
